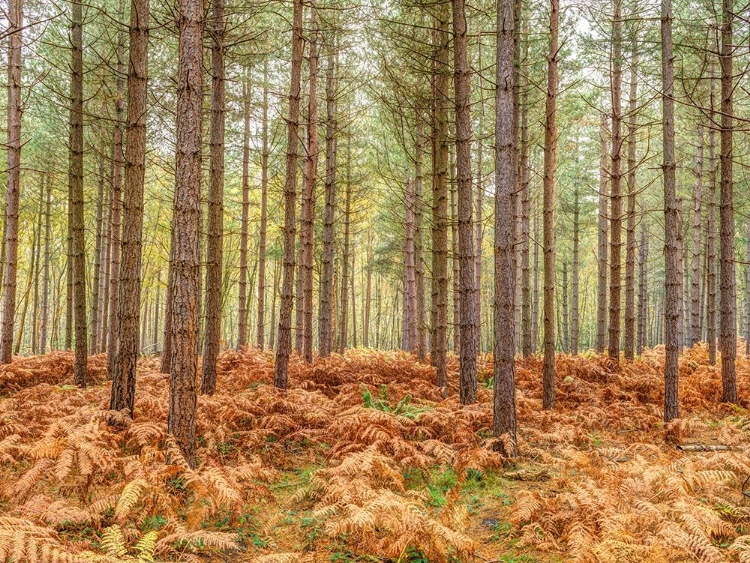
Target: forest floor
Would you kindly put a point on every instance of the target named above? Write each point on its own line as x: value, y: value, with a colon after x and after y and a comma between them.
x: 364, y: 460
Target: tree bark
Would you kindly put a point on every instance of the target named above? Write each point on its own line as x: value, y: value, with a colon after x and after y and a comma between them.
x: 242, y: 308
x: 290, y: 202
x: 75, y: 182
x: 115, y: 212
x: 504, y: 403
x: 215, y: 242
x: 13, y: 189
x: 409, y: 327
x: 418, y: 237
x: 439, y: 289
x: 344, y: 322
x: 261, y: 320
x: 46, y: 272
x: 643, y: 291
x: 186, y: 226
x: 307, y: 232
x: 469, y: 333
x: 98, y: 251
x: 727, y: 321
x: 550, y: 165
x: 711, y: 236
x: 615, y: 219
x: 601, y: 301
x: 631, y: 244
x: 671, y: 220
x: 695, y: 293
x: 575, y: 284
x: 325, y: 318
x: 126, y: 323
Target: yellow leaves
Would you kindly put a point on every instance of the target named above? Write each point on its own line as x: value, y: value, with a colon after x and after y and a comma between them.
x: 129, y: 497
x: 113, y: 542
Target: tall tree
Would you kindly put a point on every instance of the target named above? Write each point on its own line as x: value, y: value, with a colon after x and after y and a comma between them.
x: 550, y: 165
x: 75, y: 188
x: 307, y: 231
x: 126, y: 350
x: 469, y: 331
x: 711, y: 234
x: 261, y: 319
x: 671, y: 220
x: 284, y: 346
x: 504, y: 403
x: 727, y: 320
x: 13, y: 189
x: 439, y: 290
x: 215, y: 242
x: 186, y: 225
x: 631, y: 244
x: 46, y: 266
x: 601, y: 294
x: 615, y: 218
x: 325, y: 318
x: 695, y: 293
x: 242, y: 308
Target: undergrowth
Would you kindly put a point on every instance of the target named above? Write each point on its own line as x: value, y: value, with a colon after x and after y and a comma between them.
x: 363, y: 459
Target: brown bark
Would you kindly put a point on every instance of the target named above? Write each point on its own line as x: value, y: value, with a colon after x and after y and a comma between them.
x: 469, y: 333
x: 344, y: 322
x: 419, y: 275
x: 242, y: 308
x: 307, y: 231
x: 630, y: 245
x: 45, y: 268
x: 98, y: 251
x: 325, y: 317
x: 550, y: 166
x: 261, y: 320
x: 535, y: 301
x: 727, y: 321
x: 527, y: 345
x: 642, y: 291
x: 126, y: 323
x: 215, y: 241
x: 186, y: 226
x: 115, y: 212
x: 575, y: 283
x: 409, y: 324
x: 671, y: 220
x: 290, y: 202
x: 75, y: 183
x: 601, y: 300
x: 615, y: 219
x: 504, y: 402
x: 711, y: 237
x: 439, y: 289
x: 695, y: 290
x: 13, y: 189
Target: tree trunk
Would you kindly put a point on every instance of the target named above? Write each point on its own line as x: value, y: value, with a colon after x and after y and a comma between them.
x: 418, y: 238
x: 290, y: 202
x: 325, y: 318
x: 45, y: 278
x: 469, y: 333
x: 747, y: 293
x: 631, y: 244
x: 104, y: 275
x: 275, y: 290
x: 368, y: 293
x: 75, y: 182
x: 727, y: 322
x: 601, y: 301
x: 454, y: 257
x: 242, y: 320
x: 695, y: 310
x: 344, y: 322
x: 308, y: 196
x: 711, y: 237
x: 13, y: 189
x: 98, y: 249
x: 115, y: 212
x: 186, y: 226
x: 504, y: 402
x: 126, y: 323
x: 354, y: 303
x: 527, y: 346
x: 574, y: 307
x: 550, y: 165
x: 261, y: 323
x: 615, y: 219
x: 565, y: 311
x: 642, y: 291
x: 535, y: 303
x: 215, y: 242
x: 671, y: 220
x: 439, y: 290
x: 410, y: 297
